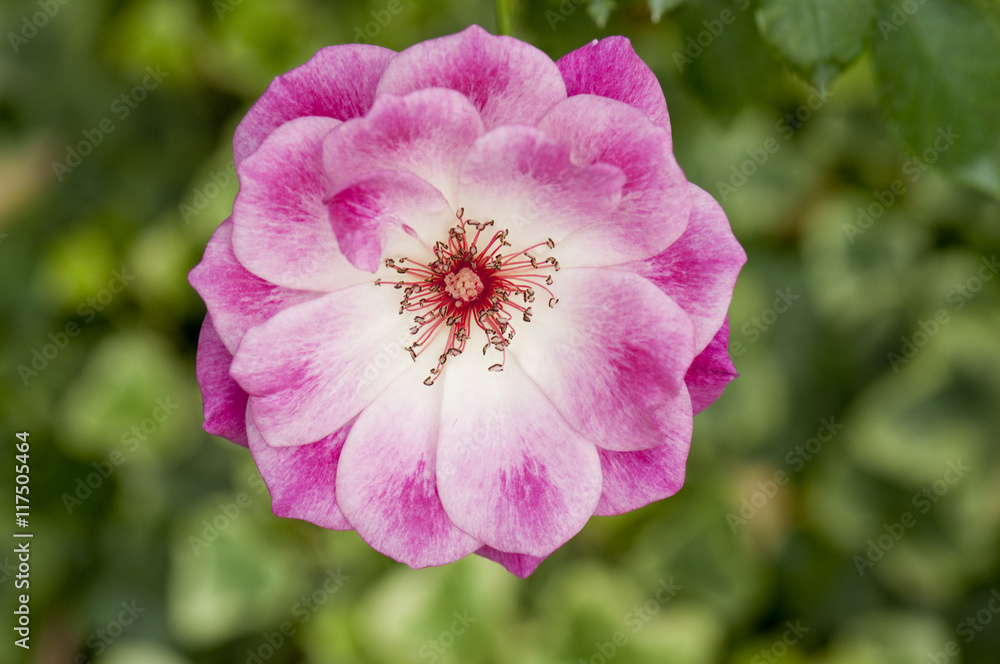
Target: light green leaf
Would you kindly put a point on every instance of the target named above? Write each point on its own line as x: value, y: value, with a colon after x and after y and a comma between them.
x: 600, y: 10
x: 657, y: 8
x: 939, y: 71
x: 817, y: 37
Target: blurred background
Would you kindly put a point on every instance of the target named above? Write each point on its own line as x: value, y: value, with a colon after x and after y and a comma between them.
x: 842, y: 500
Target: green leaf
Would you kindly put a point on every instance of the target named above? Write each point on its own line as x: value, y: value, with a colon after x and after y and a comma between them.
x: 938, y: 66
x: 600, y: 10
x: 657, y: 8
x: 722, y: 55
x: 818, y: 38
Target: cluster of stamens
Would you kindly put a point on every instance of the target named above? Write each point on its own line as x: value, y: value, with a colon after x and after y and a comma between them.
x: 465, y: 286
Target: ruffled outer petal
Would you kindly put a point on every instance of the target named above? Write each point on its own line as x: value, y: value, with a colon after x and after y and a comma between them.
x: 386, y: 483
x: 611, y: 356
x: 699, y: 270
x: 711, y: 371
x: 511, y: 472
x: 338, y: 82
x: 312, y: 368
x: 610, y: 68
x: 528, y: 184
x: 516, y: 563
x: 427, y: 133
x: 637, y: 478
x: 363, y: 215
x: 302, y: 480
x: 224, y: 401
x: 507, y: 80
x: 281, y: 228
x: 236, y: 299
x: 655, y: 203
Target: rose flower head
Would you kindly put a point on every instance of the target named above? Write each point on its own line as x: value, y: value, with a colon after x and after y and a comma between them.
x: 466, y: 298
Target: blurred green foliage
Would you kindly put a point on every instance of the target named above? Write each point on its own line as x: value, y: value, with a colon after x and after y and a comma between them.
x: 842, y: 503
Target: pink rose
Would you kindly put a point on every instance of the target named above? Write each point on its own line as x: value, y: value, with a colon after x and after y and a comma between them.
x: 466, y: 298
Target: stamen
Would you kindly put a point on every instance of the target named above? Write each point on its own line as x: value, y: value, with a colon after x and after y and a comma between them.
x: 467, y: 285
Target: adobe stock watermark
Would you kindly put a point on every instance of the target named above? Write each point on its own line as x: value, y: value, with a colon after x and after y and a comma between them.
x: 761, y: 323
x: 131, y: 439
x: 228, y: 512
x: 913, y: 169
x: 969, y: 629
x: 201, y: 197
x: 697, y: 45
x: 381, y: 18
x: 303, y: 610
x: 634, y: 620
x: 101, y: 639
x: 434, y: 648
x: 30, y: 25
x: 923, y: 500
x: 566, y: 9
x: 901, y: 13
x: 87, y: 311
x: 786, y: 126
x: 779, y: 648
x: 958, y: 297
x: 796, y: 459
x: 120, y: 108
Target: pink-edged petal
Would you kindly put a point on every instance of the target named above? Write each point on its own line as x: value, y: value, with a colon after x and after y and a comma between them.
x: 656, y: 201
x: 364, y: 214
x: 427, y: 133
x: 637, y: 478
x: 610, y: 68
x: 518, y: 564
x: 507, y: 80
x: 528, y: 184
x: 224, y: 401
x: 511, y: 472
x: 302, y: 480
x: 338, y: 82
x: 699, y: 270
x: 237, y: 299
x: 386, y: 482
x: 611, y: 356
x: 711, y: 371
x: 281, y: 227
x: 312, y: 368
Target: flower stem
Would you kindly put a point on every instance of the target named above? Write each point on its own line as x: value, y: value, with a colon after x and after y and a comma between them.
x: 505, y: 16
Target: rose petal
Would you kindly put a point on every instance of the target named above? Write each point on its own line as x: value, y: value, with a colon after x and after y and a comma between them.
x: 338, y: 82
x: 312, y: 368
x: 611, y: 356
x: 518, y: 564
x: 711, y: 371
x: 528, y: 184
x: 365, y: 214
x: 427, y: 133
x: 510, y: 471
x: 610, y: 68
x: 699, y: 270
x: 656, y: 201
x: 281, y: 227
x: 237, y: 299
x: 224, y: 401
x: 386, y: 483
x: 636, y: 478
x: 302, y: 480
x: 507, y: 80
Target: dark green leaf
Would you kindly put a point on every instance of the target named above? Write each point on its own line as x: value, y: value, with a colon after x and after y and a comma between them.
x: 938, y: 65
x: 817, y: 37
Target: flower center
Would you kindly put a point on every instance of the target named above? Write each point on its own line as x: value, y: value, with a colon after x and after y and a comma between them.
x: 465, y: 286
